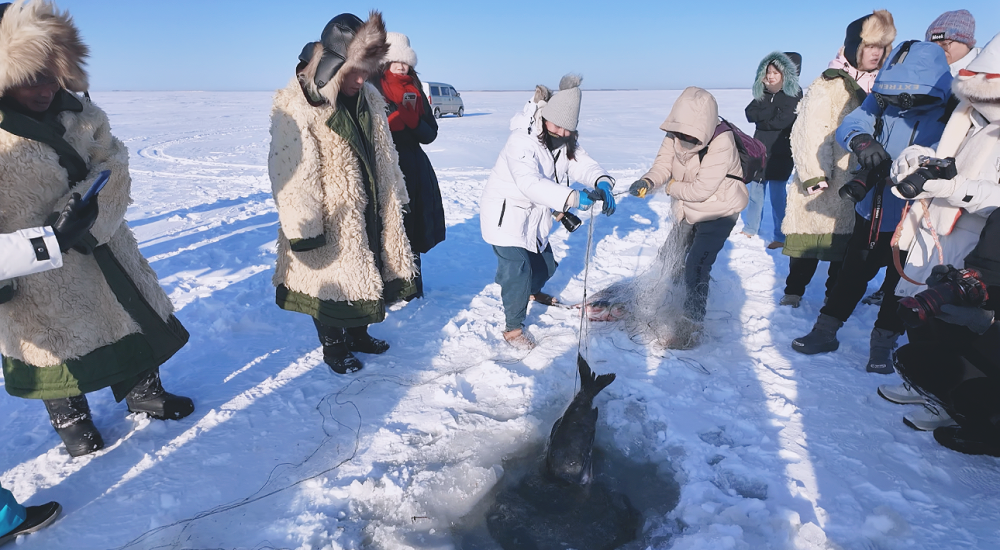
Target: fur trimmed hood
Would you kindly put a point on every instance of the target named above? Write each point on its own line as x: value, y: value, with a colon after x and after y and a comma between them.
x: 786, y: 66
x: 982, y: 92
x: 364, y: 51
x: 35, y: 36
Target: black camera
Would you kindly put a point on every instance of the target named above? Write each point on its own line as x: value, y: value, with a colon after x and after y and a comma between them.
x: 930, y: 169
x: 864, y: 181
x: 569, y: 221
x: 961, y: 287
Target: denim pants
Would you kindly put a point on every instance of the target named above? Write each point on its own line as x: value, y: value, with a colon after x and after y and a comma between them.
x: 703, y: 242
x: 521, y: 273
x: 754, y: 212
x: 12, y: 514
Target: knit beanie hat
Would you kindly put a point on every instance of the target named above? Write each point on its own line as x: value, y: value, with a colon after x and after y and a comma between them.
x: 399, y: 49
x: 958, y: 25
x: 563, y: 109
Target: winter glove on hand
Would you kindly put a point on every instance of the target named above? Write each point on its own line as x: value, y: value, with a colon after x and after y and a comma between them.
x: 588, y: 197
x: 870, y: 153
x: 73, y: 223
x: 977, y: 319
x: 604, y: 187
x: 909, y: 161
x: 939, y: 273
x: 639, y: 188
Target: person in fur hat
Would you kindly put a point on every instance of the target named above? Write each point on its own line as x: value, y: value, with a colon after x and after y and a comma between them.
x: 343, y: 253
x: 112, y: 325
x: 818, y: 224
x: 412, y: 124
x: 952, y: 361
x: 529, y: 183
x: 776, y: 94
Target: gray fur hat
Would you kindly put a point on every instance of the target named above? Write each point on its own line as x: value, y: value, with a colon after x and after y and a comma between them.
x: 563, y: 109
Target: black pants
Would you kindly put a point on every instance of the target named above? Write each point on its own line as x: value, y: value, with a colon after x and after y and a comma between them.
x: 702, y: 242
x: 801, y: 271
x: 860, y: 266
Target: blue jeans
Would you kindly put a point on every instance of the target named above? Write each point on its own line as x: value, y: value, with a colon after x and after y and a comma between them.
x: 521, y: 273
x: 12, y: 514
x: 754, y: 212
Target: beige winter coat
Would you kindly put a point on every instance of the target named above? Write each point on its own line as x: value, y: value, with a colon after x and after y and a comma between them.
x: 66, y: 313
x: 702, y: 187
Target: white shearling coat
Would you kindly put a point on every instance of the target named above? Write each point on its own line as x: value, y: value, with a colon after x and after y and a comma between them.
x: 527, y: 183
x: 66, y: 313
x: 318, y: 190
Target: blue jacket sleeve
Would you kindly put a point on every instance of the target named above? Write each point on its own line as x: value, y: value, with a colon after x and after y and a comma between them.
x: 860, y: 121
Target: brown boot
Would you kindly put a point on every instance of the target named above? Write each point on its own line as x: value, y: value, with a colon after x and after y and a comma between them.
x: 519, y: 339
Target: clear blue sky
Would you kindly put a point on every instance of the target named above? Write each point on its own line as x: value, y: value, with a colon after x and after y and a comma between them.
x: 484, y: 45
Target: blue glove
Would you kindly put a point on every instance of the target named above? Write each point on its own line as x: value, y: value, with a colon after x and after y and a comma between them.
x: 588, y: 197
x: 604, y: 186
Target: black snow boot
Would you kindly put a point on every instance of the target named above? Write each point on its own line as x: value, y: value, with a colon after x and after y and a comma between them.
x: 70, y: 416
x: 971, y: 441
x: 336, y: 353
x: 148, y: 396
x: 880, y: 351
x: 35, y: 518
x: 359, y: 340
x: 822, y: 338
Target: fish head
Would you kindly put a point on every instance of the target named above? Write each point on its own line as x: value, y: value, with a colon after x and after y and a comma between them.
x: 571, y: 464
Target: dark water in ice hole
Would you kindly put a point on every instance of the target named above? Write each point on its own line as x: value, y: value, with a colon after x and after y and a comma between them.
x: 650, y: 489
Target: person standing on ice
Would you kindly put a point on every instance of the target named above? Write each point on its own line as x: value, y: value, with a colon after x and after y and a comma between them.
x: 412, y: 124
x: 102, y: 319
x: 529, y: 183
x: 776, y: 94
x: 887, y: 122
x: 342, y: 249
x: 701, y: 171
x: 818, y: 223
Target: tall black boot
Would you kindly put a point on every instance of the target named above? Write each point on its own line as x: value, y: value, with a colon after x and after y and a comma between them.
x: 358, y: 339
x: 70, y: 416
x: 148, y: 396
x: 336, y: 352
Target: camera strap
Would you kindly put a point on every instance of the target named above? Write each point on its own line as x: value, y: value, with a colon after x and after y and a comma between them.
x: 896, y: 234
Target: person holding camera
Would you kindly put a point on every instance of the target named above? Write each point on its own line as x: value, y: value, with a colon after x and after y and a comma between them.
x: 954, y: 344
x: 776, y: 94
x: 818, y: 223
x: 112, y: 324
x: 412, y: 124
x: 701, y: 170
x: 955, y: 32
x: 886, y: 123
x: 529, y: 182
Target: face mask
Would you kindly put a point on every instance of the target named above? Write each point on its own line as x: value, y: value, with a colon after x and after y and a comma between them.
x: 554, y: 142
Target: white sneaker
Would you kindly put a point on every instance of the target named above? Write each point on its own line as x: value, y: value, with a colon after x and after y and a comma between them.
x: 902, y: 394
x: 928, y: 418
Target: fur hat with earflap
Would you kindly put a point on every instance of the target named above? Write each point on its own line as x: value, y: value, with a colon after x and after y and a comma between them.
x: 346, y: 44
x: 563, y: 108
x: 979, y: 83
x: 36, y: 37
x: 399, y: 50
x: 877, y: 29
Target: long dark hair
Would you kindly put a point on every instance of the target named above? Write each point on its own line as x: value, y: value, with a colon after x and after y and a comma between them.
x: 543, y: 138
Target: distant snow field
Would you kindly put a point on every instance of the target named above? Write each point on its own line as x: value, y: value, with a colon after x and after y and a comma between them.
x: 771, y: 449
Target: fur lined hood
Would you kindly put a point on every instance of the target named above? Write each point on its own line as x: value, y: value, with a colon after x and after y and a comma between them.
x: 35, y: 36
x: 786, y: 66
x: 981, y: 92
x: 365, y: 52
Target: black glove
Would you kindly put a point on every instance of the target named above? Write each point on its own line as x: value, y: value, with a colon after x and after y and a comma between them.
x: 976, y: 319
x: 639, y: 188
x: 870, y: 153
x: 73, y: 223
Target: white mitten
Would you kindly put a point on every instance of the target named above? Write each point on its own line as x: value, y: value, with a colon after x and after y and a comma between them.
x: 908, y: 161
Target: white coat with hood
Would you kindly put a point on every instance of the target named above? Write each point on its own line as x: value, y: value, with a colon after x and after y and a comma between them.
x: 20, y: 257
x: 957, y: 210
x: 528, y: 182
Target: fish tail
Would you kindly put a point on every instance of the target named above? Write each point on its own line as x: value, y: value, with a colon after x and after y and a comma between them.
x: 592, y: 384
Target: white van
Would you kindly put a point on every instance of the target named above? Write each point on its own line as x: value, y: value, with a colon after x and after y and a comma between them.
x: 443, y: 99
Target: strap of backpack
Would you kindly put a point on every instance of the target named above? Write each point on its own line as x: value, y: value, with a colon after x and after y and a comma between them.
x: 852, y: 85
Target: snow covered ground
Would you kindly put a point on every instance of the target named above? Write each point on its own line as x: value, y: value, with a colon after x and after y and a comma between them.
x: 771, y: 449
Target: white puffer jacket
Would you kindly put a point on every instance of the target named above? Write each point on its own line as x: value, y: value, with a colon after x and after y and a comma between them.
x: 527, y: 183
x: 20, y: 256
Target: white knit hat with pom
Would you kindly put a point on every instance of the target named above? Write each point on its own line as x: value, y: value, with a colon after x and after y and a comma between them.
x: 563, y: 109
x: 399, y: 49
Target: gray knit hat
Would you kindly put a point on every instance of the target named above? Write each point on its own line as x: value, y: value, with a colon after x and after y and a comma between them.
x: 958, y: 25
x: 563, y: 109
x: 399, y: 49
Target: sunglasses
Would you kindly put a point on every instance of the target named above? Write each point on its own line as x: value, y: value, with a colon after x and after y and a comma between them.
x: 966, y: 72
